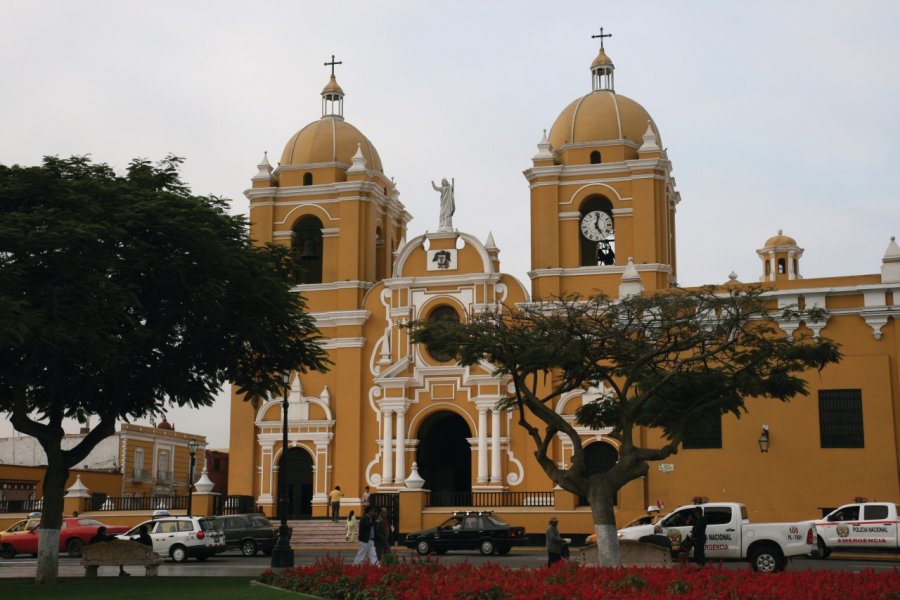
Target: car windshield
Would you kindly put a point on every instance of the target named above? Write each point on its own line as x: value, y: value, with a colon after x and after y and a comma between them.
x: 451, y: 522
x: 89, y: 523
x: 497, y: 522
x: 137, y: 528
x: 260, y: 521
x: 208, y: 524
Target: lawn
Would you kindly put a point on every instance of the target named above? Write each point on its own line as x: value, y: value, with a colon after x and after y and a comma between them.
x: 137, y: 588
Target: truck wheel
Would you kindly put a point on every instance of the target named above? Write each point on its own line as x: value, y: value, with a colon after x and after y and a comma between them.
x: 423, y: 547
x: 248, y: 548
x: 8, y: 551
x: 486, y: 547
x: 767, y: 559
x: 822, y: 550
x: 178, y: 553
x: 74, y: 547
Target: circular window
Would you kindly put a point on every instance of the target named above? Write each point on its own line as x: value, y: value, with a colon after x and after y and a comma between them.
x: 442, y: 314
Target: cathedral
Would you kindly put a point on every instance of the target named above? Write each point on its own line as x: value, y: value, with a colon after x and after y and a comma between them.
x: 391, y: 415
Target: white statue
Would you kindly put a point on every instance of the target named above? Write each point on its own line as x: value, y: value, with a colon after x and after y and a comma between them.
x: 448, y: 205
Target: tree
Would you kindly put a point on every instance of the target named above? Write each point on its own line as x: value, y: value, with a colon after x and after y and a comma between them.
x: 669, y: 361
x: 121, y: 295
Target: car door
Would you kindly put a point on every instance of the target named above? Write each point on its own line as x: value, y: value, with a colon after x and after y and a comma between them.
x: 470, y: 533
x: 874, y: 530
x: 837, y: 531
x: 723, y: 540
x: 676, y: 526
x: 163, y: 535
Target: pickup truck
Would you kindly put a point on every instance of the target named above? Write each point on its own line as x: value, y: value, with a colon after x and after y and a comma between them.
x: 731, y: 536
x: 859, y: 525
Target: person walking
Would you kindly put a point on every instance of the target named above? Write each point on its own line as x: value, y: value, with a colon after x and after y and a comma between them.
x: 382, y: 535
x: 335, y: 496
x: 698, y: 536
x: 366, y: 538
x: 554, y: 543
x: 366, y: 497
x: 352, y: 526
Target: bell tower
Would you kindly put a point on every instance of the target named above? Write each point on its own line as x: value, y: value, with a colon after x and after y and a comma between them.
x: 602, y: 195
x: 330, y: 200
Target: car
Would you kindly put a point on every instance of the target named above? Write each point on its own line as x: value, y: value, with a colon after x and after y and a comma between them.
x: 250, y: 533
x: 870, y: 525
x: 482, y: 531
x: 75, y: 533
x: 651, y: 518
x: 181, y: 538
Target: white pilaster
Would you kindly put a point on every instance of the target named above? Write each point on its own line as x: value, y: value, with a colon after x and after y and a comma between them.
x: 482, y: 446
x: 401, y: 446
x: 496, y: 476
x: 388, y: 470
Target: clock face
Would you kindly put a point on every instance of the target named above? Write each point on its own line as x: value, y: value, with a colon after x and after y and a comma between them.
x: 596, y: 225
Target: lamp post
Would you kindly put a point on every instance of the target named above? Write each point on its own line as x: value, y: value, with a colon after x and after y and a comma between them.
x: 763, y: 440
x: 192, y: 448
x: 282, y: 554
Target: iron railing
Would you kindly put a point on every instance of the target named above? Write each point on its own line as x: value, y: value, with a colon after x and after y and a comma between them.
x: 234, y: 505
x: 21, y: 506
x: 490, y: 499
x: 146, y: 503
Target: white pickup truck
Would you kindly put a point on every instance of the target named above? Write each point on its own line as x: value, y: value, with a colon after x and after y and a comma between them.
x: 871, y: 525
x: 731, y: 536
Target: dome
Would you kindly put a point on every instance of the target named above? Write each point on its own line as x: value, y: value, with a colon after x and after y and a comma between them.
x: 601, y: 60
x: 600, y: 116
x: 330, y: 139
x: 165, y: 425
x: 780, y: 240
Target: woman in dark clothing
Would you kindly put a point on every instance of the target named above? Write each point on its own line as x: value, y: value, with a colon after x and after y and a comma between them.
x: 144, y: 537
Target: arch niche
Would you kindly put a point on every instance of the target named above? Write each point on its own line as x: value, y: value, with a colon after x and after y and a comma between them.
x: 590, y: 251
x: 296, y: 466
x: 444, y: 458
x: 306, y: 241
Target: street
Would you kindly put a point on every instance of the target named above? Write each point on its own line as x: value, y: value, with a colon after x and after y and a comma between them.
x: 233, y: 564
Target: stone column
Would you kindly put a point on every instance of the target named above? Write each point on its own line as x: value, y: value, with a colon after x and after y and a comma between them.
x: 482, y: 446
x: 401, y: 446
x: 496, y: 476
x: 388, y: 471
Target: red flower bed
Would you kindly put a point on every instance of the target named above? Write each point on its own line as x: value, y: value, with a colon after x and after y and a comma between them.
x: 415, y: 580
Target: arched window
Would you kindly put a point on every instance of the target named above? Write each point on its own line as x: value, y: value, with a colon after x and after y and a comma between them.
x: 796, y: 270
x: 781, y: 266
x: 596, y: 159
x: 600, y: 250
x: 307, y: 179
x: 306, y: 241
x: 445, y: 314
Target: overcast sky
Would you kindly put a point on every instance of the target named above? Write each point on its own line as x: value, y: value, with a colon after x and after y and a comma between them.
x: 776, y: 114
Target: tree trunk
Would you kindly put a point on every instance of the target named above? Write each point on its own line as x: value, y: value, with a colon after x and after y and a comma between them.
x: 602, y: 502
x: 54, y: 489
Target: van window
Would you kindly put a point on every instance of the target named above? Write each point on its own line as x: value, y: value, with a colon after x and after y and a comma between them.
x: 877, y: 512
x: 185, y: 526
x: 848, y: 513
x: 717, y: 515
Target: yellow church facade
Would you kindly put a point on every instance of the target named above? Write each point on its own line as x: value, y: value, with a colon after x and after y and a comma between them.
x: 603, y: 204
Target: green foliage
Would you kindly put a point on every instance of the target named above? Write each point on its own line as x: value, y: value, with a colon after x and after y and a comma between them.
x: 120, y: 295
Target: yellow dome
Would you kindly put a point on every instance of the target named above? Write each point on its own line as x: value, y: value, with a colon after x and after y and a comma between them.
x: 332, y: 90
x: 780, y: 240
x: 600, y: 116
x: 330, y: 139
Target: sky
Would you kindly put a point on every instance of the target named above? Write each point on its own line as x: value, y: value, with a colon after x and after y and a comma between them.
x: 776, y: 114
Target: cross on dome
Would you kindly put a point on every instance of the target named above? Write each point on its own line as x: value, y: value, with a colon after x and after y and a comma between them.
x: 333, y: 95
x: 593, y: 37
x: 339, y: 62
x: 602, y: 68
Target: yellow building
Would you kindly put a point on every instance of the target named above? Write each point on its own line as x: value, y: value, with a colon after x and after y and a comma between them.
x: 603, y: 208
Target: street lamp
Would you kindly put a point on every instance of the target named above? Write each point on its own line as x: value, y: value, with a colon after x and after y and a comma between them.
x: 282, y: 553
x: 192, y: 448
x: 764, y: 439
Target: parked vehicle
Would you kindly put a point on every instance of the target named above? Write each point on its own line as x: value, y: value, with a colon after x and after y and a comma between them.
x: 482, y: 531
x: 180, y: 538
x: 859, y: 525
x: 731, y: 536
x: 74, y: 535
x: 250, y: 533
x: 651, y: 518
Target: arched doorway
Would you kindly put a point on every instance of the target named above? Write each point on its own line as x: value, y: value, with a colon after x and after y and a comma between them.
x: 444, y: 458
x: 599, y: 457
x: 296, y: 466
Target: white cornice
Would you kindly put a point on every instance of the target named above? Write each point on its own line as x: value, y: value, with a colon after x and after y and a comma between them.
x: 465, y: 279
x: 330, y: 344
x: 340, y: 318
x: 561, y: 183
x: 599, y: 270
x: 335, y: 285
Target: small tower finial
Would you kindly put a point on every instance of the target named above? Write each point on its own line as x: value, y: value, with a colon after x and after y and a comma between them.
x: 333, y: 95
x: 593, y: 37
x: 602, y: 68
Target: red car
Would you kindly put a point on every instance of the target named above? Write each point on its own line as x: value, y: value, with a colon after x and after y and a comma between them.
x: 76, y: 533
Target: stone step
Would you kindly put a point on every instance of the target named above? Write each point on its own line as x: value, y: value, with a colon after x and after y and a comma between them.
x: 319, y: 532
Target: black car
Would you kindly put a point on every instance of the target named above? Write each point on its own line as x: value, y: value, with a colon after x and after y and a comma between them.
x: 251, y: 533
x: 482, y: 531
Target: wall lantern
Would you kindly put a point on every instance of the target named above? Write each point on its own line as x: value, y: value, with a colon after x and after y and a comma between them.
x: 764, y: 439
